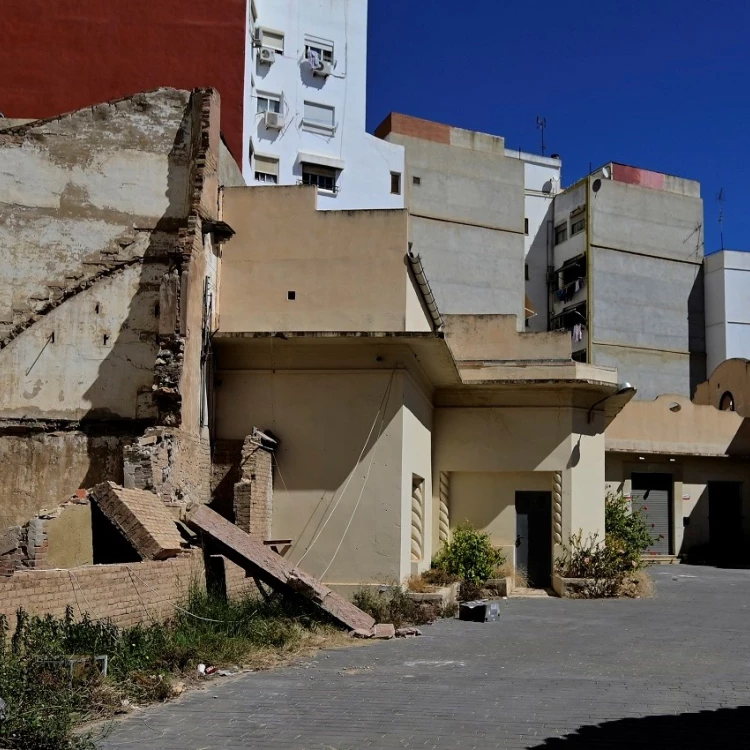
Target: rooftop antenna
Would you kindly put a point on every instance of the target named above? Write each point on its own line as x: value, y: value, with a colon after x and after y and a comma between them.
x: 720, y: 198
x: 541, y: 124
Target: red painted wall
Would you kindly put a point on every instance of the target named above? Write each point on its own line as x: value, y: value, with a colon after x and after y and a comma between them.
x: 66, y: 54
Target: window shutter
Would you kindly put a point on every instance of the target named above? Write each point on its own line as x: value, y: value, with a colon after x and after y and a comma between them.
x: 267, y: 165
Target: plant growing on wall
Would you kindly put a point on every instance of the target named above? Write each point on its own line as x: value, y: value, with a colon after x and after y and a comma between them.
x: 469, y: 556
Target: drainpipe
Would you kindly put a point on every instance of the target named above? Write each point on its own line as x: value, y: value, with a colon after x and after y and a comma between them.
x: 415, y: 262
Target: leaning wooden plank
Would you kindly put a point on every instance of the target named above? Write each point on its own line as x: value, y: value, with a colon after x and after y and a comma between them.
x: 259, y: 561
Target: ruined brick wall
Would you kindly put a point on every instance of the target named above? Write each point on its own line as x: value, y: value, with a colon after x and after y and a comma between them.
x: 39, y: 470
x: 225, y: 473
x: 253, y: 494
x: 171, y: 463
x: 128, y: 594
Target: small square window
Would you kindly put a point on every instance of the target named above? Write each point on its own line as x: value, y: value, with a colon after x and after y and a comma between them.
x: 395, y: 183
x: 292, y: 295
x: 324, y: 178
x: 269, y: 103
x: 273, y: 40
x: 319, y: 117
x: 317, y: 50
x: 266, y: 169
x: 561, y: 233
x: 416, y: 180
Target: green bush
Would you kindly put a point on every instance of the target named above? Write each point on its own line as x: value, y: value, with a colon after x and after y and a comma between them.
x: 626, y: 531
x: 469, y: 556
x: 391, y: 604
x: 591, y: 559
x: 45, y: 704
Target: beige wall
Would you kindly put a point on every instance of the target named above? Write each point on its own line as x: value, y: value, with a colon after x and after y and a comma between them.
x: 673, y: 424
x: 494, y: 337
x: 733, y: 376
x: 416, y: 461
x: 487, y: 501
x: 347, y: 268
x: 691, y: 476
x: 322, y: 420
x: 528, y: 439
x: 79, y: 375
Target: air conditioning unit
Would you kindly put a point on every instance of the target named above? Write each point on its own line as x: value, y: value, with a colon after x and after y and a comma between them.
x: 274, y: 120
x: 323, y: 70
x: 267, y: 55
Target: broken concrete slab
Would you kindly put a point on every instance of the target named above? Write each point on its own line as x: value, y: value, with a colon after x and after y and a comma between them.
x: 142, y: 518
x: 383, y: 632
x: 408, y: 632
x: 272, y: 569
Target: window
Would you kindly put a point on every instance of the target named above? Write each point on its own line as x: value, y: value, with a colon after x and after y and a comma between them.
x: 416, y: 180
x: 266, y: 169
x: 526, y: 271
x: 396, y: 183
x: 323, y: 177
x: 525, y: 226
x: 320, y: 48
x: 291, y: 295
x: 269, y: 103
x: 727, y: 402
x: 561, y: 233
x: 319, y: 117
x: 577, y: 225
x: 272, y: 39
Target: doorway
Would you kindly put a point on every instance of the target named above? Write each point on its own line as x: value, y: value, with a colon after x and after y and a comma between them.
x: 534, y: 536
x: 725, y: 522
x: 652, y: 496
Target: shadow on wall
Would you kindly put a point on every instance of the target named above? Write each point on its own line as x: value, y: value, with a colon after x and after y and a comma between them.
x: 696, y: 313
x: 726, y: 728
x: 146, y: 331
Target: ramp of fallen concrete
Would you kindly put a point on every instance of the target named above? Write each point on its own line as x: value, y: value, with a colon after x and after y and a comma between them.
x: 272, y: 569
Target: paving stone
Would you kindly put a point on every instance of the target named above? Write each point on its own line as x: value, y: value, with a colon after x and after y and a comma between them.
x: 667, y: 672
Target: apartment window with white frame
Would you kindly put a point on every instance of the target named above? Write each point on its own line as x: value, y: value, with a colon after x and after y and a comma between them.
x: 268, y: 103
x: 266, y: 169
x: 319, y: 49
x: 319, y: 117
x: 273, y: 40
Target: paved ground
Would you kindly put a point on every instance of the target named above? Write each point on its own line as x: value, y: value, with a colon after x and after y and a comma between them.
x: 667, y: 672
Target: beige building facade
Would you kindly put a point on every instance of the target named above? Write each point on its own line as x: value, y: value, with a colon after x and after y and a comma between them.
x: 393, y: 429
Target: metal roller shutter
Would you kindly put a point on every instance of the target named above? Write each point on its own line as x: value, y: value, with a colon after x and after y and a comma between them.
x: 654, y: 506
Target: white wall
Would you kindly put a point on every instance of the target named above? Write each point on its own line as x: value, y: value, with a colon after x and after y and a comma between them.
x: 542, y: 177
x: 727, y: 293
x: 365, y: 180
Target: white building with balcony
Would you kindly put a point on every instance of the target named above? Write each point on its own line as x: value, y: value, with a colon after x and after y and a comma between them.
x: 305, y: 105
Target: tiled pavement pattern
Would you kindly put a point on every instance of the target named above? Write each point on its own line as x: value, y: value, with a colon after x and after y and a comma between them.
x: 667, y: 672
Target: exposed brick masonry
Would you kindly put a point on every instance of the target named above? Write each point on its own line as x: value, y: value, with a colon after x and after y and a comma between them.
x: 414, y: 127
x: 141, y: 518
x: 253, y: 494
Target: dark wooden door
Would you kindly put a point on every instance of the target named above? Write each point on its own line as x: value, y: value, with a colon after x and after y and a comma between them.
x: 725, y: 521
x: 534, y: 536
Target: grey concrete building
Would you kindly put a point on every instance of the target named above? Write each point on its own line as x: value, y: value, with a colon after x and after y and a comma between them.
x: 465, y: 198
x: 627, y: 277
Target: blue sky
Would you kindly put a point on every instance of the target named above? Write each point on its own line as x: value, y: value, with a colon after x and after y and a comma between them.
x: 659, y: 84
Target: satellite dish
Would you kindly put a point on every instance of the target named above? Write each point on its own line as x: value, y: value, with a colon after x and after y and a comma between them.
x: 605, y: 173
x: 596, y: 186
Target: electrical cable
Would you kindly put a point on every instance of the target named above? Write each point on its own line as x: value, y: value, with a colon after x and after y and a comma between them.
x: 354, y: 469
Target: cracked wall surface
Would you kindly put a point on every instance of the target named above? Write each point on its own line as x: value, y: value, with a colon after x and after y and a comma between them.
x: 107, y: 294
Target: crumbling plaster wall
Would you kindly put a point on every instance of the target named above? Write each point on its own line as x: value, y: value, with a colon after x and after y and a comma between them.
x: 108, y: 267
x: 39, y: 470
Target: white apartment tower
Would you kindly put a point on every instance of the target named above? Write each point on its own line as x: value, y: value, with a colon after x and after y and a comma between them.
x: 305, y: 102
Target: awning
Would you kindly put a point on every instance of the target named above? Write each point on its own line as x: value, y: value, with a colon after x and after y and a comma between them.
x: 320, y: 159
